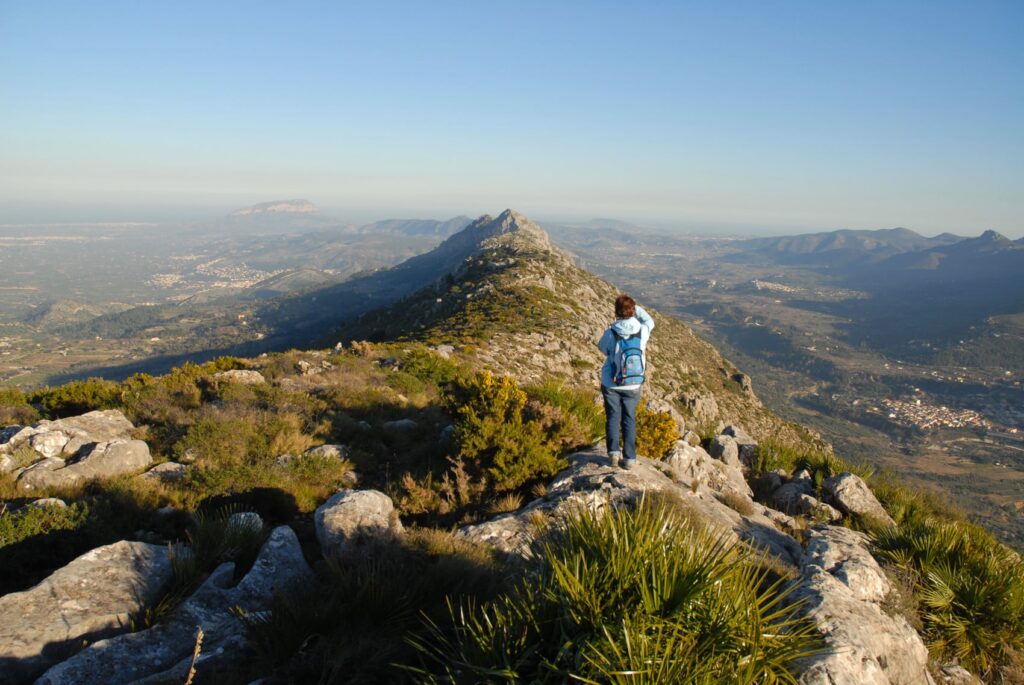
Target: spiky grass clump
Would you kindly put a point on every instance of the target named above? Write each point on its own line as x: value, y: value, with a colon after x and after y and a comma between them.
x: 637, y: 595
x: 969, y: 587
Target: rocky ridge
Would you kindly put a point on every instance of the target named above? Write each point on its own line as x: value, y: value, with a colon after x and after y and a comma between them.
x: 525, y: 308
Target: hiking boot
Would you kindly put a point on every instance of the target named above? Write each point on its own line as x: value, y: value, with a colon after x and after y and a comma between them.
x: 613, y: 458
x: 627, y: 464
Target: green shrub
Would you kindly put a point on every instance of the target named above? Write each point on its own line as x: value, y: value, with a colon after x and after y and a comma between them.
x: 492, y: 433
x: 970, y: 589
x: 29, y: 521
x: 656, y: 432
x: 430, y: 367
x: 631, y: 596
x: 15, y: 409
x: 77, y: 397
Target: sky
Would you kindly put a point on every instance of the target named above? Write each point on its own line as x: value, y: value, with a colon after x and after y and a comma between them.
x: 761, y: 116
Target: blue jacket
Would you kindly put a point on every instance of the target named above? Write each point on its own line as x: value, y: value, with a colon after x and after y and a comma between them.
x: 642, y: 323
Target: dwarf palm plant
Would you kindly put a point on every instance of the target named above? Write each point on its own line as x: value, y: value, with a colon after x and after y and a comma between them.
x: 636, y: 595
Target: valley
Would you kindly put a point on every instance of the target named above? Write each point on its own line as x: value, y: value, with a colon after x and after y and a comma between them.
x: 940, y: 405
x: 939, y: 402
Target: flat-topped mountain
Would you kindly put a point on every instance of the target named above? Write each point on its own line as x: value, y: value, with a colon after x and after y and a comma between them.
x: 278, y: 207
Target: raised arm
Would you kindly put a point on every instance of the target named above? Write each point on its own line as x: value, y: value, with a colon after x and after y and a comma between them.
x: 644, y: 318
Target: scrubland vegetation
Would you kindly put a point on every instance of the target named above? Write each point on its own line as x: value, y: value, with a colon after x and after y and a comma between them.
x: 607, y: 597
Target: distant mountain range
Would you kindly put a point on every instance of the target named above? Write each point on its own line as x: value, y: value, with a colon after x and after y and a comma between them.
x: 843, y: 247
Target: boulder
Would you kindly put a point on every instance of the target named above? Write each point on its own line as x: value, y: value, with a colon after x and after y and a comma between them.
x: 168, y: 471
x: 746, y: 444
x: 841, y: 587
x: 787, y: 497
x: 851, y: 495
x: 91, y: 598
x: 163, y: 653
x: 45, y: 502
x: 327, y: 452
x: 104, y: 460
x: 351, y: 516
x: 725, y: 449
x: 444, y: 351
x: 240, y: 376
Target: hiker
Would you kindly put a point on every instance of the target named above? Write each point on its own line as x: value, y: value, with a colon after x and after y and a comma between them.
x: 624, y: 345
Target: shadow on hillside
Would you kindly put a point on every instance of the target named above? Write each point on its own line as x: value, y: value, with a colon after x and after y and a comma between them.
x: 295, y: 321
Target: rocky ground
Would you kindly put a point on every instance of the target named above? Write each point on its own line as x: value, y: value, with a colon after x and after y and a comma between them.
x: 76, y: 626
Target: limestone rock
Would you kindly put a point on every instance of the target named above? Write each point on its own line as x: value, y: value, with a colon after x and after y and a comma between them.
x: 590, y: 482
x: 241, y: 377
x: 851, y: 495
x: 104, y: 460
x: 163, y: 653
x: 91, y: 598
x: 691, y: 438
x: 45, y: 502
x: 842, y: 586
x: 168, y: 471
x: 786, y: 497
x: 805, y: 505
x: 690, y: 463
x: 954, y: 674
x: 704, y: 407
x: 746, y: 444
x: 327, y: 452
x: 49, y: 443
x: 350, y: 516
x: 725, y: 449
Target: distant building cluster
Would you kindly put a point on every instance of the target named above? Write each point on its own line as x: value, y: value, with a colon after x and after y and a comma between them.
x: 776, y: 287
x: 928, y: 416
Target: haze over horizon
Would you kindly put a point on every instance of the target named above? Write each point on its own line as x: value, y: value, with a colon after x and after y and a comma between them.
x: 752, y: 118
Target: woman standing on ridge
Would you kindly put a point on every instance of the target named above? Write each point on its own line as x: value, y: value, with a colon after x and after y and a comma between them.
x: 624, y: 345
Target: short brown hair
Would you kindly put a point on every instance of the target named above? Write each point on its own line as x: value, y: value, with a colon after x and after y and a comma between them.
x: 625, y: 307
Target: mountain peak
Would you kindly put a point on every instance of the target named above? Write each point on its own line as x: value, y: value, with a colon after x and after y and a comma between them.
x: 278, y: 207
x: 509, y: 229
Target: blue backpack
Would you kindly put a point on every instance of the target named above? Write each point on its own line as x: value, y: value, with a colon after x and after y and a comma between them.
x: 628, y: 364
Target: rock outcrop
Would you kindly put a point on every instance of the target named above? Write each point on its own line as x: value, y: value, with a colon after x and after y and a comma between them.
x: 842, y: 588
x: 65, y: 437
x: 591, y: 482
x: 92, y: 598
x: 98, y: 444
x: 163, y: 653
x: 102, y: 460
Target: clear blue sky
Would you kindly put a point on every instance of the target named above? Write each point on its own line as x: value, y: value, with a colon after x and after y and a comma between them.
x: 782, y: 115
